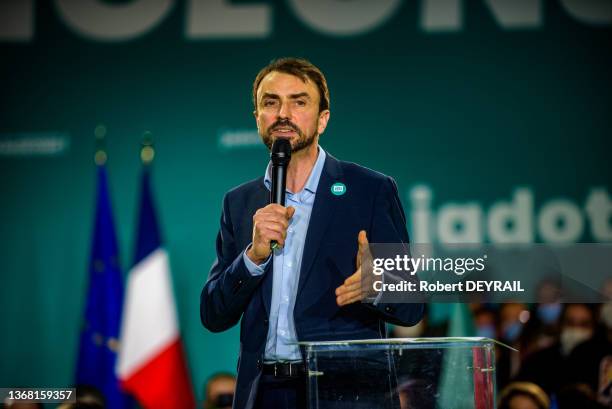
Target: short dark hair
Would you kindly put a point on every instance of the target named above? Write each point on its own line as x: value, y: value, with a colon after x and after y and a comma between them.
x: 216, y: 376
x: 302, y: 69
x: 529, y: 389
x: 89, y: 395
x: 208, y: 402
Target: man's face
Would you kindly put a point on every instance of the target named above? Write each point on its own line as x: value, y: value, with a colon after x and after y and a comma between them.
x: 578, y: 316
x: 218, y: 387
x: 288, y: 107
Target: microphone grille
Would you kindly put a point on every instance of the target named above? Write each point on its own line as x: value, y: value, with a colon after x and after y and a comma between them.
x: 281, y: 151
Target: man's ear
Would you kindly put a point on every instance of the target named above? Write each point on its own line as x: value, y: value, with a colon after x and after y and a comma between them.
x: 323, y: 118
x: 256, y: 119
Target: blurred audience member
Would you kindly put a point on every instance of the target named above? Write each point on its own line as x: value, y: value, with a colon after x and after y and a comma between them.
x: 577, y: 396
x: 87, y: 397
x: 512, y: 318
x: 592, y: 359
x: 523, y: 395
x: 219, y: 391
x: 604, y: 390
x: 416, y: 394
x: 542, y: 329
x: 485, y: 322
x: 578, y: 326
x: 550, y: 367
x: 606, y: 289
x: 90, y: 395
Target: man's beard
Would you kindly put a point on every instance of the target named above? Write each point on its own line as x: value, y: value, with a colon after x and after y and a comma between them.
x: 303, y: 141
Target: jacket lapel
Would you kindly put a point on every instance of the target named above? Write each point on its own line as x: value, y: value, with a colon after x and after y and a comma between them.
x: 322, y: 213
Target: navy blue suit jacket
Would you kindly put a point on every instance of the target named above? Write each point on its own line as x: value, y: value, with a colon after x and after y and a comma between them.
x: 371, y: 203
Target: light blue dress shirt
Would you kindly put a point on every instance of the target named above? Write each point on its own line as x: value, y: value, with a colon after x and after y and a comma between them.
x: 282, y: 338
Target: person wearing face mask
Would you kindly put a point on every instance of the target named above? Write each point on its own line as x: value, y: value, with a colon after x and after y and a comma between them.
x: 551, y: 367
x: 511, y: 322
x: 548, y: 313
x: 542, y: 329
x: 591, y: 358
x: 485, y: 322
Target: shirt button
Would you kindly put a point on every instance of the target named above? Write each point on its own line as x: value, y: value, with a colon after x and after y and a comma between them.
x: 290, y: 230
x: 289, y: 264
x: 286, y: 298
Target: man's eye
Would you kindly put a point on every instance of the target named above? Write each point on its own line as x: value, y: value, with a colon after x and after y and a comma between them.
x: 300, y: 102
x: 269, y: 103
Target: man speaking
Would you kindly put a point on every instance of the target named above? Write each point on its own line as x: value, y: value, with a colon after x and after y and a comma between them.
x: 293, y: 273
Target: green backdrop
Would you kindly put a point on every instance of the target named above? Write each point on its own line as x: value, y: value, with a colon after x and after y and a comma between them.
x: 473, y: 111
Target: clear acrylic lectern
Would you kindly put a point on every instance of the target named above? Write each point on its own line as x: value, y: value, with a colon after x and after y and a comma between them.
x: 402, y: 373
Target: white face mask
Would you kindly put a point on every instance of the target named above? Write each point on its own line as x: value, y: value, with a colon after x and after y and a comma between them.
x: 571, y: 337
x: 606, y: 314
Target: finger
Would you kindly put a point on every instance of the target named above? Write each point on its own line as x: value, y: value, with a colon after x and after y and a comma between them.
x: 278, y: 223
x: 353, y: 283
x: 278, y: 212
x: 271, y: 233
x: 272, y: 208
x: 357, y: 297
x: 349, y: 298
x: 342, y: 289
x: 273, y: 219
x: 354, y: 278
x: 275, y: 208
x: 290, y: 212
x: 348, y: 286
x: 362, y: 245
x: 266, y: 218
x: 267, y: 235
x: 273, y: 230
x: 345, y: 291
x: 362, y: 238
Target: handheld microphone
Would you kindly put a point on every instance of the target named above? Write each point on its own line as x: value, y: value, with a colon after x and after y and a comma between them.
x: 280, y: 157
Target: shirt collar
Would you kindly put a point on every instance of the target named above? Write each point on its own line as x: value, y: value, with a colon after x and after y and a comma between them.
x: 313, y: 179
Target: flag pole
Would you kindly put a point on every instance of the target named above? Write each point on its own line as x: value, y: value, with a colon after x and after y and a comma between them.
x: 152, y: 362
x: 98, y: 345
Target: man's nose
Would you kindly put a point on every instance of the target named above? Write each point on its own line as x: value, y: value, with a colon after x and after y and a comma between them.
x: 284, y: 111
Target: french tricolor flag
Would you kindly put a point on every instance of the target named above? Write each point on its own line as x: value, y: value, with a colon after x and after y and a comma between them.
x: 151, y: 364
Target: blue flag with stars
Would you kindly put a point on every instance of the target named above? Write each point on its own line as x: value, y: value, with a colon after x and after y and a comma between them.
x: 100, y: 332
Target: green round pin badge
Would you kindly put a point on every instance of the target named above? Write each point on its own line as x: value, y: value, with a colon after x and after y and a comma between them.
x: 338, y: 189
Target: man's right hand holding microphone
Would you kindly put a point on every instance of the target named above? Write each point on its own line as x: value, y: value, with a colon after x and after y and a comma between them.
x: 270, y: 223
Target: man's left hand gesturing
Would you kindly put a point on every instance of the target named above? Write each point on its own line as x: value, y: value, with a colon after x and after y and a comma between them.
x: 350, y: 291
